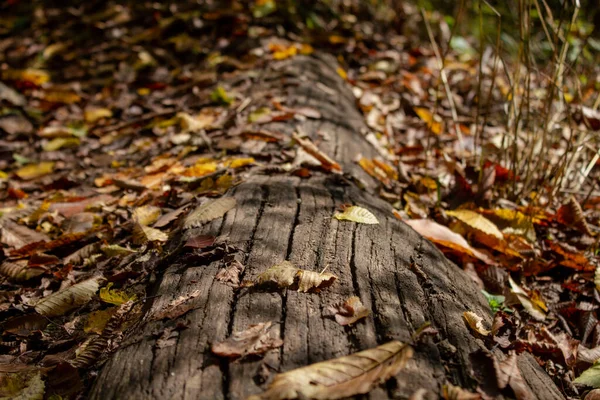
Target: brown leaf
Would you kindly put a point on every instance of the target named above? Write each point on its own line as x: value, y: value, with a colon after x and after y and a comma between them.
x: 350, y: 311
x: 342, y: 377
x: 67, y: 299
x: 571, y: 214
x: 231, y: 274
x: 286, y: 275
x: 19, y: 271
x: 208, y: 211
x: 451, y: 392
x: 326, y: 162
x: 15, y: 235
x: 177, y: 307
x: 508, y: 374
x: 255, y: 340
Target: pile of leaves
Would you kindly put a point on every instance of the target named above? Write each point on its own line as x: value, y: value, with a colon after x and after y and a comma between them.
x: 124, y: 125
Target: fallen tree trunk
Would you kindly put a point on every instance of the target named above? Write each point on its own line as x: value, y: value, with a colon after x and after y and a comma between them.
x: 401, y: 277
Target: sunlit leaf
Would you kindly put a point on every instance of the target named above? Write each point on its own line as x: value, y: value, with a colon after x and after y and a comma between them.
x: 262, y: 8
x: 534, y: 310
x: 287, y: 275
x: 61, y: 143
x: 477, y: 221
x: 34, y: 76
x: 143, y: 234
x: 571, y: 214
x: 114, y: 250
x: 475, y: 322
x: 219, y: 95
x: 341, y: 377
x: 115, y: 296
x: 326, y: 162
x: 68, y: 299
x: 92, y: 115
x: 22, y: 385
x: 256, y: 340
x: 590, y: 377
x: 350, y: 311
x: 177, y: 307
x: 146, y: 215
x: 357, y: 214
x: 33, y: 171
x: 208, y: 211
x: 239, y: 162
x: 443, y: 236
x: 430, y: 119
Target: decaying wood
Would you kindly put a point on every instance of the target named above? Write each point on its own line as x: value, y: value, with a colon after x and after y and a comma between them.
x: 399, y: 276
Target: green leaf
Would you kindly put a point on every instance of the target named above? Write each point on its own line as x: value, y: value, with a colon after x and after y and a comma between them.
x: 219, y: 95
x: 590, y: 377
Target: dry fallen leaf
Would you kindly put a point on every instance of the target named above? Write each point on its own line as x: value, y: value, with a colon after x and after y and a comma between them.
x: 208, y: 211
x: 350, y: 311
x: 357, y: 214
x: 33, y: 171
x: 571, y: 214
x: 326, y: 162
x: 255, y: 340
x: 177, y: 307
x: 67, y: 299
x: 531, y: 307
x: 443, y: 236
x: 341, y: 377
x: 475, y: 322
x: 451, y: 392
x: 477, y: 221
x: 19, y: 270
x: 508, y: 374
x: 287, y: 275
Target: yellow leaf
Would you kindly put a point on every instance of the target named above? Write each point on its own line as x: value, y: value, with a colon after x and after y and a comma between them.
x: 219, y: 95
x: 240, y: 162
x: 357, y: 214
x: 340, y: 71
x: 33, y: 171
x: 336, y: 39
x: 92, y: 115
x: 143, y: 234
x: 146, y: 215
x: 306, y: 49
x: 477, y: 221
x: 201, y: 169
x: 514, y: 222
x: 114, y: 296
x: 426, y: 115
x: 61, y: 142
x: 284, y: 53
x: 531, y: 307
x: 97, y: 320
x: 35, y: 76
x: 59, y: 96
x: 341, y: 377
x: 475, y: 322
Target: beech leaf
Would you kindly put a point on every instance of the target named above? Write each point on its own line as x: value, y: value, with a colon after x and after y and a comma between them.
x: 357, y: 214
x: 68, y: 299
x: 286, y: 275
x: 114, y: 296
x: 342, y: 377
x: 590, y: 377
x: 208, y: 211
x: 350, y: 311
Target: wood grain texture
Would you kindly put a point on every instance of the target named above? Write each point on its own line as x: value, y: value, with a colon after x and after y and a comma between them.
x: 401, y: 277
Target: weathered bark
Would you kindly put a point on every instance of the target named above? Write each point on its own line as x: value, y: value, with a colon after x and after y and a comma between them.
x: 280, y: 218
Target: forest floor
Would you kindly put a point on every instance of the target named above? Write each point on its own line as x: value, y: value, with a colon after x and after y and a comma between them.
x: 117, y: 119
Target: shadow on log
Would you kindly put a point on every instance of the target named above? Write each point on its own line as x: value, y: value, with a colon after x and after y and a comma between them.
x: 401, y: 277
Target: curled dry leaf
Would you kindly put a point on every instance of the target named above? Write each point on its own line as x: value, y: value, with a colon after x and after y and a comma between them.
x: 477, y: 221
x: 533, y: 309
x: 571, y: 214
x: 451, y: 392
x: 357, y: 214
x: 342, y: 377
x: 231, y: 274
x: 208, y: 211
x: 350, y: 311
x: 286, y: 274
x: 146, y: 215
x: 67, y: 299
x: 326, y: 162
x: 177, y: 307
x: 143, y: 234
x: 15, y: 235
x: 443, y: 236
x: 475, y: 322
x: 255, y: 340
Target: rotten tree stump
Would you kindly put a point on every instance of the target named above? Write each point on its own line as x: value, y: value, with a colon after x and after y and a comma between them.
x: 281, y: 217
